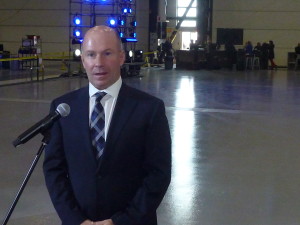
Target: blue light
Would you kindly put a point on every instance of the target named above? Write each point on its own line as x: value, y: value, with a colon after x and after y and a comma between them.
x: 130, y: 10
x: 77, y: 33
x: 77, y: 20
x: 133, y: 35
x: 121, y: 34
x: 97, y: 1
x: 121, y: 22
x: 131, y: 39
x: 133, y: 23
x: 125, y: 10
x: 112, y: 22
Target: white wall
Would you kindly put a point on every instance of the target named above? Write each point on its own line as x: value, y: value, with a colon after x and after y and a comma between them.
x: 50, y: 20
x: 262, y: 21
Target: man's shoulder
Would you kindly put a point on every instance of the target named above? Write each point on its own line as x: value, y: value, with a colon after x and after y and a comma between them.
x: 139, y: 94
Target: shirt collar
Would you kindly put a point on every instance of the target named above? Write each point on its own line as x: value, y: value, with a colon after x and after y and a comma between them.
x: 112, y: 90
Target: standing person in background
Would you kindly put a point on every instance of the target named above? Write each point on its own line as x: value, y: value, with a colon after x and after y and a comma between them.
x: 248, y: 48
x: 257, y: 52
x: 109, y: 161
x: 297, y: 49
x: 166, y: 50
x: 230, y: 54
x: 192, y: 45
x: 272, y: 54
x: 257, y: 47
x: 264, y: 56
x: 248, y: 55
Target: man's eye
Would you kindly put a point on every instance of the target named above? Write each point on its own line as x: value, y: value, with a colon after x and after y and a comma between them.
x: 107, y: 53
x: 90, y: 54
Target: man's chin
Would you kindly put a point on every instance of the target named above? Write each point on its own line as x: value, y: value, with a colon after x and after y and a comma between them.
x: 100, y: 84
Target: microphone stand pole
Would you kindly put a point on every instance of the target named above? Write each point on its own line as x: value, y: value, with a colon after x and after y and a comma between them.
x: 45, y: 141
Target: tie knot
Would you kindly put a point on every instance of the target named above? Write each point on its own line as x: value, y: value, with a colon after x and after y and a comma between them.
x: 99, y: 96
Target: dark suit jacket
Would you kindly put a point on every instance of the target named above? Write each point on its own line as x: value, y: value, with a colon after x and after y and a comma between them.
x: 133, y: 176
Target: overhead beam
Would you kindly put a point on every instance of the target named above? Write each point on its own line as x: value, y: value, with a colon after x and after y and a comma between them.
x: 174, y: 33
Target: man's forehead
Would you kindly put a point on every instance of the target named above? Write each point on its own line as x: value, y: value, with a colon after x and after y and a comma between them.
x: 87, y: 49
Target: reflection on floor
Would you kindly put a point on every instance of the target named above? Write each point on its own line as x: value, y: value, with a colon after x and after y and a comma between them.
x: 235, y: 138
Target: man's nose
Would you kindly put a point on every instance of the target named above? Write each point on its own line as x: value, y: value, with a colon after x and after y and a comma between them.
x: 99, y: 60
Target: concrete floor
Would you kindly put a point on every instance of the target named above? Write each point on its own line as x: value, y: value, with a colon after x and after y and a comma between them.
x: 236, y: 158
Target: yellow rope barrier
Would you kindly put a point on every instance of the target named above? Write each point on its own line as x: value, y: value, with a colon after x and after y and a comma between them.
x: 149, y: 53
x: 20, y: 58
x: 56, y: 55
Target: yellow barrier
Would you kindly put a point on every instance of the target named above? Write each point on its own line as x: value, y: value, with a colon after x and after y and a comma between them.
x: 20, y: 58
x: 61, y: 56
x: 149, y: 53
x: 147, y: 59
x: 147, y: 62
x: 55, y: 55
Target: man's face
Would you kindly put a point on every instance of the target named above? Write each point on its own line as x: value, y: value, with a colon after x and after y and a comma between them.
x: 102, y: 58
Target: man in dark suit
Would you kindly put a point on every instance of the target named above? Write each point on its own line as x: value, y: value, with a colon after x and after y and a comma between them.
x: 125, y: 184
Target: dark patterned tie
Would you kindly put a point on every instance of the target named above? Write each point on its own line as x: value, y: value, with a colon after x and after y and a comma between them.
x: 97, y: 125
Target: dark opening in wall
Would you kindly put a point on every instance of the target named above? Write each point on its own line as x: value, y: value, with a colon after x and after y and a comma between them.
x: 234, y: 36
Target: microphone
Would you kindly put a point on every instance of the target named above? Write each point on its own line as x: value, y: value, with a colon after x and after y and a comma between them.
x: 62, y: 110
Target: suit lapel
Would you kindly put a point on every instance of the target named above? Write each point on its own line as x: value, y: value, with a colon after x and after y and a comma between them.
x: 82, y: 106
x: 123, y: 110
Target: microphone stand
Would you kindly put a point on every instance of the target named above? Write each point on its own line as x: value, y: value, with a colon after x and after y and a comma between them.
x: 45, y: 141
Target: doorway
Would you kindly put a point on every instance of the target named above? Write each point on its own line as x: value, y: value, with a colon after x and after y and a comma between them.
x: 186, y: 39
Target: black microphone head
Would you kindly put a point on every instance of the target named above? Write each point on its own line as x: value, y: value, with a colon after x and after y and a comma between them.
x: 63, y: 109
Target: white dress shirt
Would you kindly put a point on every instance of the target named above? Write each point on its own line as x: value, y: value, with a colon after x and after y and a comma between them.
x: 108, y: 101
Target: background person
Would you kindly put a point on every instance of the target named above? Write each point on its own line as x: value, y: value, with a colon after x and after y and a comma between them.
x: 272, y: 54
x: 248, y: 48
x: 297, y: 49
x: 264, y: 56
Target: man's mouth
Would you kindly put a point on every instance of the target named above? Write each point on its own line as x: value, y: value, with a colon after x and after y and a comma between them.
x: 100, y: 73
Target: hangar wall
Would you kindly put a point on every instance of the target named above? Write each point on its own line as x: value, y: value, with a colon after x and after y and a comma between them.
x: 50, y: 21
x: 262, y: 21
